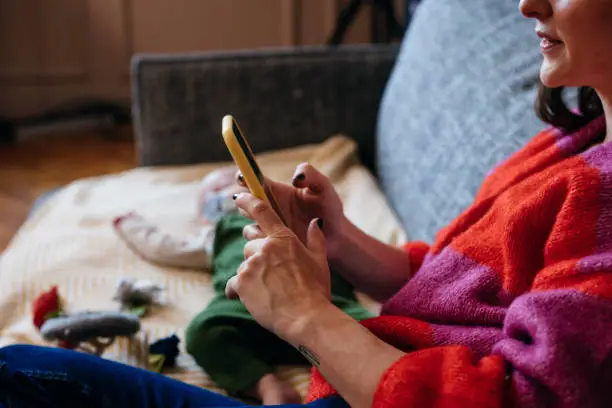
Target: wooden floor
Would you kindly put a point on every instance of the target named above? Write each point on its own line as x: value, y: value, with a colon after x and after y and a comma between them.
x: 29, y: 168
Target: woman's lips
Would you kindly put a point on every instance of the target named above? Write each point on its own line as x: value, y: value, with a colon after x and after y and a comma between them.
x: 548, y: 42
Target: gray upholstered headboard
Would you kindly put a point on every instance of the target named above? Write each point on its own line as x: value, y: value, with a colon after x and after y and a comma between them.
x: 281, y: 97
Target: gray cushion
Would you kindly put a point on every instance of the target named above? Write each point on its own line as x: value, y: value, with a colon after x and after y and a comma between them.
x: 459, y: 100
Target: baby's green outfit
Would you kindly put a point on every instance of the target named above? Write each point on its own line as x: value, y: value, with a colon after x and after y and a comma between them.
x: 225, y: 340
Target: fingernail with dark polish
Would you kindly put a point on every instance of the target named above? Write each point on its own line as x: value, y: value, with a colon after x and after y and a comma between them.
x: 235, y: 196
x: 240, y: 177
x: 299, y: 177
x: 320, y: 223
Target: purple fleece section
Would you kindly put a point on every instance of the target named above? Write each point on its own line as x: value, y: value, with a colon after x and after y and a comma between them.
x: 451, y: 289
x: 560, y: 346
x: 479, y: 339
x: 600, y: 158
x: 595, y: 263
x: 573, y: 143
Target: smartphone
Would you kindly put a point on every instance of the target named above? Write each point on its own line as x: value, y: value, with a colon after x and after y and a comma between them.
x: 245, y: 160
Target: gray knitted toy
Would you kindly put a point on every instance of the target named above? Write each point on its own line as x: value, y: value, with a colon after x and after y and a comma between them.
x: 92, y: 332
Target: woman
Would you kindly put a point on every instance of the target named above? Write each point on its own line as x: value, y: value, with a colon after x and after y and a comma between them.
x: 511, y: 305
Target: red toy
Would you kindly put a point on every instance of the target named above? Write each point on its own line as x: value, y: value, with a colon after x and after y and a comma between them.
x: 46, y: 306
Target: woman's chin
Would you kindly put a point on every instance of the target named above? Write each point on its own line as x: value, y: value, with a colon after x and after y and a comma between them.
x: 554, y: 74
x: 550, y: 78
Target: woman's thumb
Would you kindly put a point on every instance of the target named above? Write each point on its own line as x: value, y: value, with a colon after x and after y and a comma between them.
x: 316, y: 238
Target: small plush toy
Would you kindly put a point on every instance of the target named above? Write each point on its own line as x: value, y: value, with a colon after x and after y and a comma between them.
x: 47, y: 305
x: 92, y: 332
x: 136, y: 296
x: 163, y: 353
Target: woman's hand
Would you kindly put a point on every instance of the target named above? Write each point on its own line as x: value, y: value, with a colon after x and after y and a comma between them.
x: 311, y: 196
x: 285, y: 285
x: 373, y: 267
x: 283, y: 280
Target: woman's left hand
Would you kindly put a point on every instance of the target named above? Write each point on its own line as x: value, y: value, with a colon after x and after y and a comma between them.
x: 282, y: 281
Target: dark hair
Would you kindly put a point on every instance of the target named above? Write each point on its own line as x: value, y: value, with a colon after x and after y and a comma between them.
x: 552, y: 109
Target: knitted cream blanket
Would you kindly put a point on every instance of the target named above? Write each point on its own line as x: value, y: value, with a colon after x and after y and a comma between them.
x: 70, y: 242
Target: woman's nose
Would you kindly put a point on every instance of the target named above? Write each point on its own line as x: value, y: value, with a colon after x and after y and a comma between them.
x: 538, y: 9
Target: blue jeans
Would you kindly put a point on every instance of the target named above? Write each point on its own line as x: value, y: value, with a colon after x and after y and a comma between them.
x: 32, y: 376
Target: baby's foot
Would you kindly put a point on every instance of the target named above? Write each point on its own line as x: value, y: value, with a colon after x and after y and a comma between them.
x: 135, y: 231
x: 146, y: 240
x: 274, y: 391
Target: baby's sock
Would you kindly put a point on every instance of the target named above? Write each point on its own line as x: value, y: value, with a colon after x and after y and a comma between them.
x: 162, y: 248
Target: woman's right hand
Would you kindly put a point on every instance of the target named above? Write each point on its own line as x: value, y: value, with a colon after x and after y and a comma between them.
x: 312, y: 195
x: 373, y: 267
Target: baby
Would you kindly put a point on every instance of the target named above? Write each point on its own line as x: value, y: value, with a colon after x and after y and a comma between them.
x: 236, y: 352
x: 156, y: 246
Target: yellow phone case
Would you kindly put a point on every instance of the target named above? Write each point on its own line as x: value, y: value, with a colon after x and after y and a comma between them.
x: 245, y: 160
